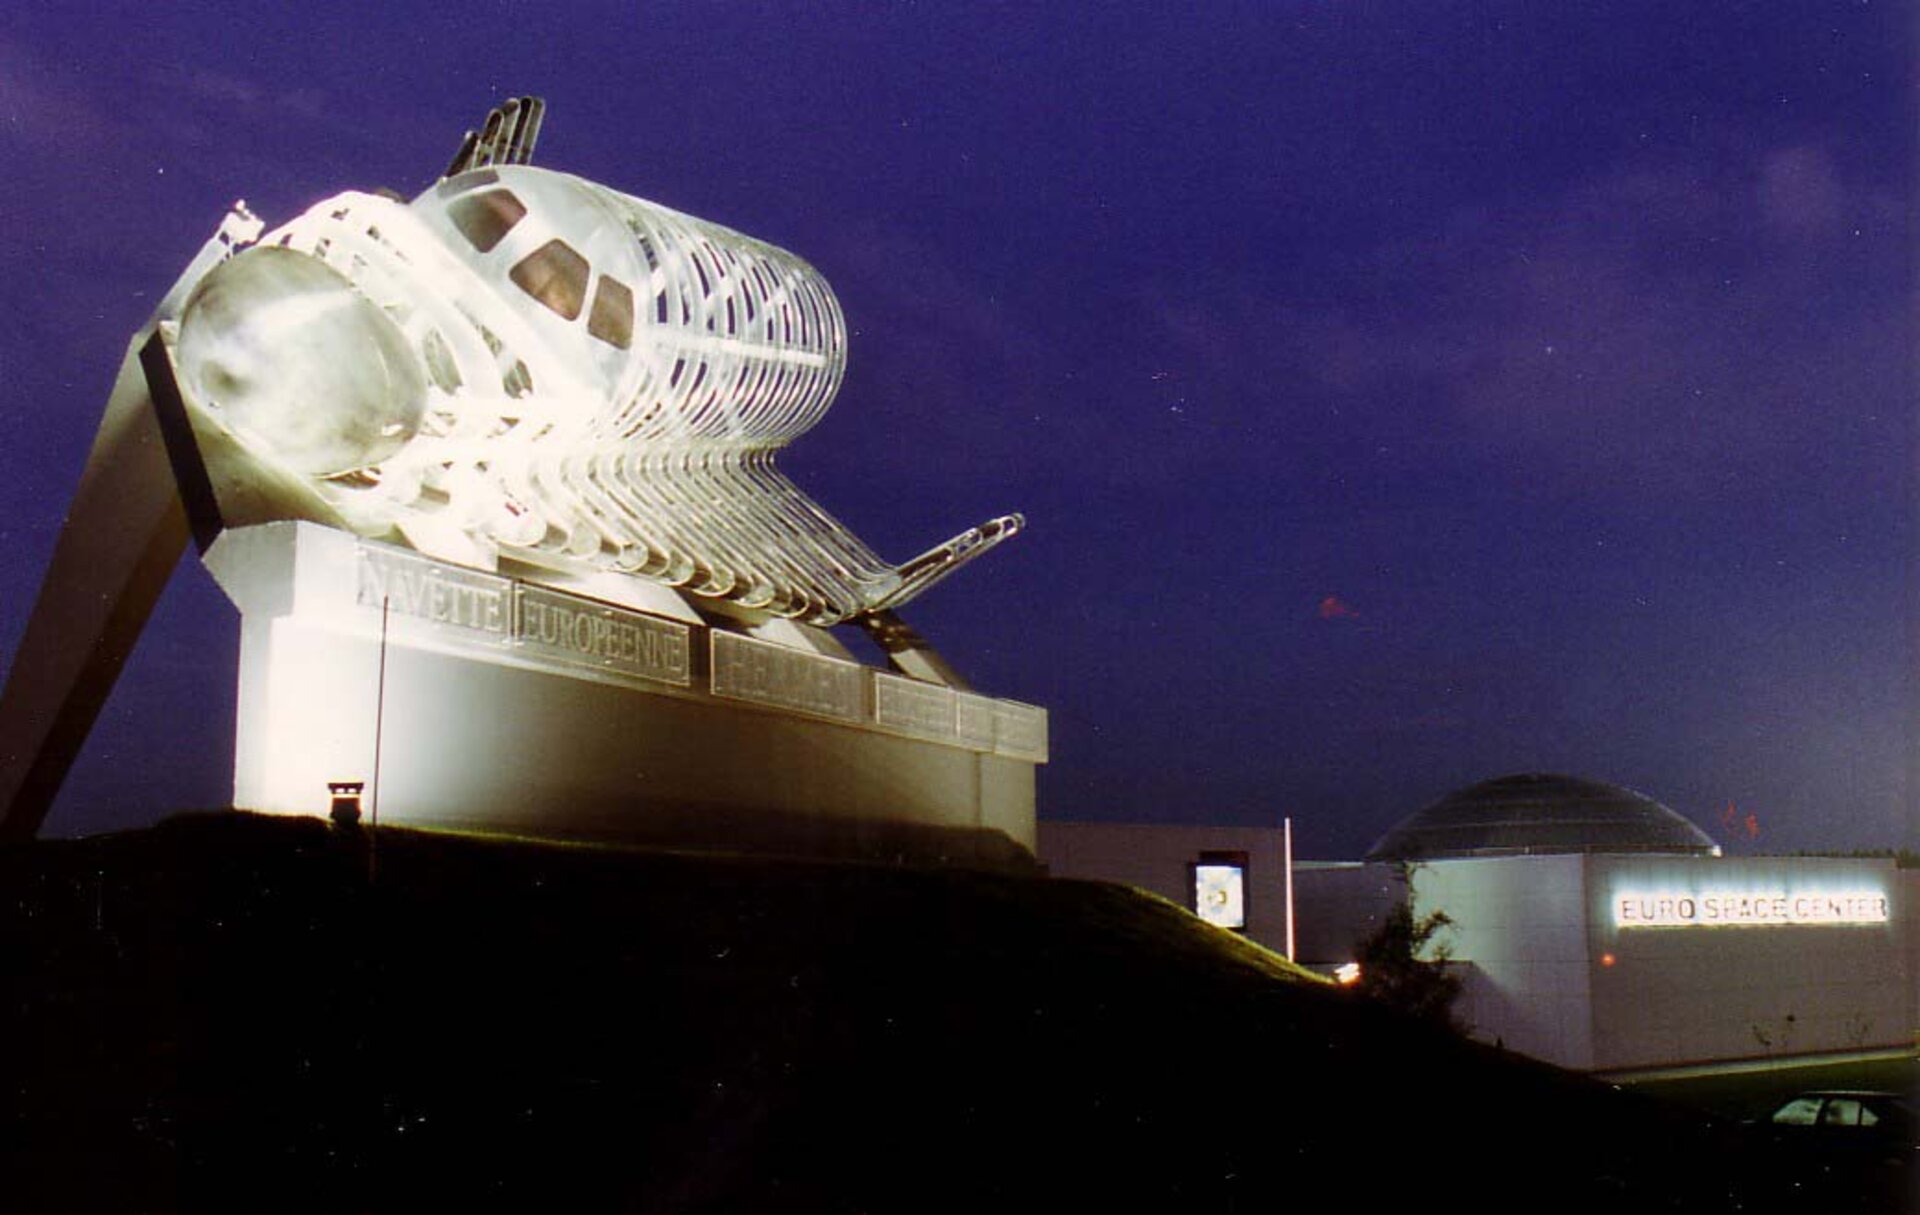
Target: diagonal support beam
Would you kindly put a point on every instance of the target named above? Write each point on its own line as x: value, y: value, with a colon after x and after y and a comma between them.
x: 121, y: 541
x: 908, y: 652
x: 122, y: 538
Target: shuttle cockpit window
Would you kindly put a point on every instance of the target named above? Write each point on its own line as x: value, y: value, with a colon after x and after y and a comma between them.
x: 486, y: 217
x: 555, y: 275
x: 611, y: 319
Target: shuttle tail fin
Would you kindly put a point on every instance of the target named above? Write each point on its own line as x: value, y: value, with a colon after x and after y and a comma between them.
x: 508, y: 137
x: 921, y: 573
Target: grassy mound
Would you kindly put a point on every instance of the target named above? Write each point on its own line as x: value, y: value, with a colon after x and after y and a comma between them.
x: 222, y: 1013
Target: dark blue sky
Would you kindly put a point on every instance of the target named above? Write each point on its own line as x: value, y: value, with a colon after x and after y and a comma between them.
x: 1400, y: 394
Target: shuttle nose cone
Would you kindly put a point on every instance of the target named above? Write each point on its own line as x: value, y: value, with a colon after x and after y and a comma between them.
x: 298, y: 364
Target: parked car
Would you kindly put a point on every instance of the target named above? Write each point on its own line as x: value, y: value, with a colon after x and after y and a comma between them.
x: 1845, y: 1123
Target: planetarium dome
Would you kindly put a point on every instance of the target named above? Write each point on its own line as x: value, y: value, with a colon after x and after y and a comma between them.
x: 1541, y: 813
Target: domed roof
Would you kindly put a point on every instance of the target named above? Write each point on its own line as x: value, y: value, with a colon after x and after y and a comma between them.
x: 1540, y: 813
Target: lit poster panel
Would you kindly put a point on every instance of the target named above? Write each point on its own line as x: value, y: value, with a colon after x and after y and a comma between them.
x: 1220, y: 893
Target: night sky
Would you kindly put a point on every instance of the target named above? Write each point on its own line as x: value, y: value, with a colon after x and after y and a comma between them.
x: 1399, y: 394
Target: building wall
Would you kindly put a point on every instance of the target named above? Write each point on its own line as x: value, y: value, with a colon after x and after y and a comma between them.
x: 1548, y: 970
x: 1907, y: 882
x: 1709, y: 991
x: 1155, y: 858
x: 1337, y: 905
x: 1520, y: 932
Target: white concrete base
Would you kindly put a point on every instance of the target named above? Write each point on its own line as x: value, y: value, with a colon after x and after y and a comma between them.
x: 507, y: 707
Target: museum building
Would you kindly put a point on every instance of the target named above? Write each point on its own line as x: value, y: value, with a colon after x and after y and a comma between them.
x: 1591, y: 926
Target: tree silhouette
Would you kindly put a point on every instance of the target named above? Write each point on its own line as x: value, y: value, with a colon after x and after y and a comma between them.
x: 1401, y: 968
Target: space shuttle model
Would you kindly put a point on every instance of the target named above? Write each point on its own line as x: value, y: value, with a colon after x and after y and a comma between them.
x: 519, y: 372
x: 526, y: 364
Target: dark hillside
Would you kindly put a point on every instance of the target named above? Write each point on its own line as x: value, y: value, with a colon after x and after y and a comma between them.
x: 222, y: 1014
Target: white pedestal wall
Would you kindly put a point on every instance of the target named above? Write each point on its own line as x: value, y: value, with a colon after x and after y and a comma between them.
x: 649, y: 730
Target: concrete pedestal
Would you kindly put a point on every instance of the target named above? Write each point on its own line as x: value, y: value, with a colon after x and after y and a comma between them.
x: 514, y: 707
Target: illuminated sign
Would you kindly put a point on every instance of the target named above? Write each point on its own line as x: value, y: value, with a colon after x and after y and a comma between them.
x: 1735, y: 908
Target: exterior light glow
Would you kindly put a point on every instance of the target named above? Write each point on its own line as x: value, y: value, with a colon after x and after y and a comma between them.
x: 1347, y: 974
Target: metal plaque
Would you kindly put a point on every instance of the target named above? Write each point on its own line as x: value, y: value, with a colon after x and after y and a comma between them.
x: 457, y: 604
x: 1020, y: 730
x: 768, y: 674
x: 593, y: 635
x: 973, y: 715
x: 912, y: 707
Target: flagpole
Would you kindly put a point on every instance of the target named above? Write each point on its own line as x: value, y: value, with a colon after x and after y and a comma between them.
x: 379, y: 735
x: 1286, y: 837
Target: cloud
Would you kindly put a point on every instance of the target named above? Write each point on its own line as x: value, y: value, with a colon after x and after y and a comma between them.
x: 1650, y: 331
x: 1664, y: 329
x: 1335, y: 608
x: 41, y: 110
x: 1799, y: 191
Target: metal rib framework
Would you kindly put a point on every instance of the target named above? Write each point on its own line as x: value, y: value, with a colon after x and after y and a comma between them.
x: 607, y: 381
